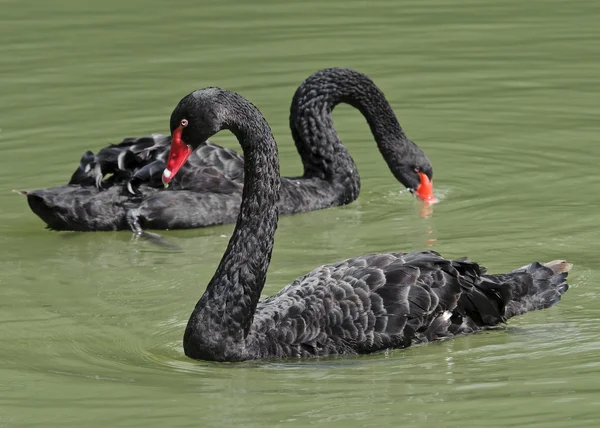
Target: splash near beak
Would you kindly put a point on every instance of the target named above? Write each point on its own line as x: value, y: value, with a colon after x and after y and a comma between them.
x: 179, y: 154
x: 425, y: 189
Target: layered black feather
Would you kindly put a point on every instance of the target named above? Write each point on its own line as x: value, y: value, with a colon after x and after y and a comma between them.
x: 379, y: 301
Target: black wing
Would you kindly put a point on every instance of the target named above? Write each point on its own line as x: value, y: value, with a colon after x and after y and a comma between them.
x: 381, y: 301
x: 141, y: 161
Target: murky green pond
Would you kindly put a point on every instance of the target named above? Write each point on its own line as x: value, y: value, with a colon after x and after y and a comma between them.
x: 504, y: 98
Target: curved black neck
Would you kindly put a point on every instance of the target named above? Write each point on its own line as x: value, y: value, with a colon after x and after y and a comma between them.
x: 223, y: 315
x: 323, y: 154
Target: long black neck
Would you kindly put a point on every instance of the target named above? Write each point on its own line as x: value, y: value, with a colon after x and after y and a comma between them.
x: 323, y: 154
x: 222, y: 317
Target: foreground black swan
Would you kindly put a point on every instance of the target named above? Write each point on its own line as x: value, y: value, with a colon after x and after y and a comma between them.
x: 359, y: 305
x: 207, y: 191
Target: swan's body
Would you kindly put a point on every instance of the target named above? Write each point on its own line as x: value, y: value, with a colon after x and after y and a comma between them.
x: 208, y: 189
x: 134, y: 192
x: 359, y: 305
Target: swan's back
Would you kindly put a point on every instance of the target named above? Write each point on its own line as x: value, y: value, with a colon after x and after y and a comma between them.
x: 210, y: 169
x: 392, y: 300
x: 106, y: 186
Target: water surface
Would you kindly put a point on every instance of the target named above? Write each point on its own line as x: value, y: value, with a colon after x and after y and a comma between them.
x: 503, y: 97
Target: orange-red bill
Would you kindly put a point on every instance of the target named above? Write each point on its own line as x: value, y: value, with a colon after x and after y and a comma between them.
x: 425, y: 189
x: 179, y: 154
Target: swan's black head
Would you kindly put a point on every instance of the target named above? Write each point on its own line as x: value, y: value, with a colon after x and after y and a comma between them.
x: 413, y: 169
x: 197, y: 117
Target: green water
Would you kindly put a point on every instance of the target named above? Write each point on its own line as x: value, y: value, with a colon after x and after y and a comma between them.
x: 503, y: 97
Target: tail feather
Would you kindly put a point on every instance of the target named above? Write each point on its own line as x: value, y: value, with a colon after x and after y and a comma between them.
x: 537, y: 286
x: 559, y: 266
x: 487, y: 301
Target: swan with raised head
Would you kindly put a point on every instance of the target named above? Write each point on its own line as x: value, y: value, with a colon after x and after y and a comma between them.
x: 359, y: 305
x: 211, y: 177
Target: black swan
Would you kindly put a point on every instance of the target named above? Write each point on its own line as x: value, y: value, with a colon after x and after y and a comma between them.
x: 359, y: 305
x: 207, y: 190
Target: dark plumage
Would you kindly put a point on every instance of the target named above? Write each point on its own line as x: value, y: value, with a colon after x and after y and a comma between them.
x: 360, y: 305
x: 209, y: 186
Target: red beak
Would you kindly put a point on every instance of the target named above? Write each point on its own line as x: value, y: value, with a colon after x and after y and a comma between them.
x: 179, y: 154
x: 425, y: 189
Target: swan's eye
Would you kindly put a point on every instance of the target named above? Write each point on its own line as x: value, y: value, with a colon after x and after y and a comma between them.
x: 184, y: 123
x: 417, y: 169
